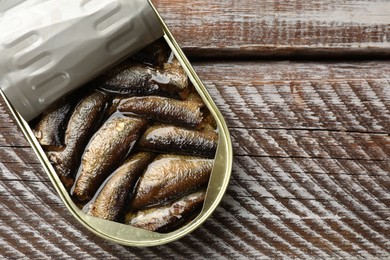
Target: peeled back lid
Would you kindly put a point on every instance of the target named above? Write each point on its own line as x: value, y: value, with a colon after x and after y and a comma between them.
x: 49, y: 48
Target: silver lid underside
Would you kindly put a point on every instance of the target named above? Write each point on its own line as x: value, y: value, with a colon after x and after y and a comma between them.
x: 49, y: 48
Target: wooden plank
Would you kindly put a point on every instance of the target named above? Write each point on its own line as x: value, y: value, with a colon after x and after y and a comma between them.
x: 248, y: 223
x: 279, y: 28
x: 350, y: 97
x: 310, y: 176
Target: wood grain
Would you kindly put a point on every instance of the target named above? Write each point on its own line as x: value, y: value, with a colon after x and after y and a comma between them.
x: 311, y: 174
x: 279, y: 28
x: 323, y: 96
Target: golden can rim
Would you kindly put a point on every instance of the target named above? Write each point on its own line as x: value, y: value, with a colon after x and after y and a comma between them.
x: 125, y: 234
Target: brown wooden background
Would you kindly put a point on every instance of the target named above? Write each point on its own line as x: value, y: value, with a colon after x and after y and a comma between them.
x: 305, y: 89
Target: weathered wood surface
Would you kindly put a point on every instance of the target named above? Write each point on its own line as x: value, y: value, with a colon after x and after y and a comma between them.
x: 311, y: 175
x: 279, y: 28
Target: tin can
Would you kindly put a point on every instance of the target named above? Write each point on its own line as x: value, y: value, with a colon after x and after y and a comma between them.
x: 127, y: 234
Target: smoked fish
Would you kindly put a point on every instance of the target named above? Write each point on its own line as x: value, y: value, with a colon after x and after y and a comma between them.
x: 166, y: 110
x: 81, y: 126
x: 155, y: 54
x: 50, y: 129
x: 172, y: 139
x: 139, y: 79
x: 116, y: 191
x: 168, y: 177
x: 166, y: 217
x: 105, y: 152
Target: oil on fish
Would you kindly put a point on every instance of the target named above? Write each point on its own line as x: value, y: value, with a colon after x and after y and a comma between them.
x: 50, y: 129
x: 172, y: 139
x: 138, y: 147
x: 110, y: 202
x: 80, y: 128
x: 139, y: 79
x: 164, y: 218
x: 166, y: 110
x: 105, y: 152
x: 168, y: 177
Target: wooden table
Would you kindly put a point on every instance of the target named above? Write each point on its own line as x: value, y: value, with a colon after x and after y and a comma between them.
x: 305, y: 89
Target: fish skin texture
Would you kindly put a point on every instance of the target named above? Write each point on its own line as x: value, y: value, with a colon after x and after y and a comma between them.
x: 168, y: 177
x: 164, y: 217
x: 81, y: 126
x: 110, y: 202
x: 105, y: 152
x: 172, y: 139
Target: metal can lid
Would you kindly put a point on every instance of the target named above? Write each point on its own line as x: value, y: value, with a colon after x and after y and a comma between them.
x: 52, y: 47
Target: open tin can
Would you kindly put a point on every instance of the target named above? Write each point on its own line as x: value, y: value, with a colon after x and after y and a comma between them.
x: 196, y: 153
